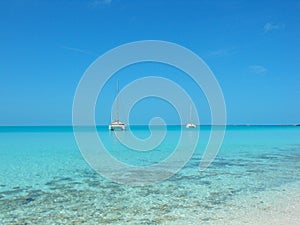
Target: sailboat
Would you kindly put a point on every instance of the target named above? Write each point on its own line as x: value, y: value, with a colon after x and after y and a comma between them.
x: 190, y: 124
x: 117, y: 124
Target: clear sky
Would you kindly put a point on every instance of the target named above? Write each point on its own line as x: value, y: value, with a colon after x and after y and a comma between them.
x: 252, y: 47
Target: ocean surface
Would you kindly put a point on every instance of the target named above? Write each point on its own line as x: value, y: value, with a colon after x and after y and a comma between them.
x: 44, y: 179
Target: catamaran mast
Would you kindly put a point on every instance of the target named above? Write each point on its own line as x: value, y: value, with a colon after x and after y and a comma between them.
x: 117, y: 103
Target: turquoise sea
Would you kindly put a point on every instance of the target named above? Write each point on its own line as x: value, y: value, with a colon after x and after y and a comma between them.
x: 45, y: 180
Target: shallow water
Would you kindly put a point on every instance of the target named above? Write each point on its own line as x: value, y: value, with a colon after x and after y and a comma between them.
x: 43, y: 177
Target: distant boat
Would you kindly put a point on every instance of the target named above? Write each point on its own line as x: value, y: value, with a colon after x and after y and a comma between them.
x: 190, y: 124
x: 117, y: 124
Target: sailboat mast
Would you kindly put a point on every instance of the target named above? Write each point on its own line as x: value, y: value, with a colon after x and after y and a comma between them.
x: 117, y: 103
x: 190, y: 113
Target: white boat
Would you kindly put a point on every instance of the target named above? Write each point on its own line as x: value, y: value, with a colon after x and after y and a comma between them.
x: 117, y: 124
x: 190, y: 124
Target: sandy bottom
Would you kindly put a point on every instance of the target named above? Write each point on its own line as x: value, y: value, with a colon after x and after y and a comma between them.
x: 277, y: 206
x: 280, y: 206
x: 271, y: 207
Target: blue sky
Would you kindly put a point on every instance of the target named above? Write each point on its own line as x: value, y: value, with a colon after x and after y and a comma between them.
x: 252, y: 47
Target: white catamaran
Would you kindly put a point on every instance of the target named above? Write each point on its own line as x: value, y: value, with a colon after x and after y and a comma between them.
x: 117, y: 124
x: 190, y: 124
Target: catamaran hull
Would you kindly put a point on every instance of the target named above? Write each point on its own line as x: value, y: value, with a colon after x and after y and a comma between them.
x: 116, y: 126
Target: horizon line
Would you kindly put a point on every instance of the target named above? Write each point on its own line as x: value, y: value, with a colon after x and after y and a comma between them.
x: 103, y: 125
